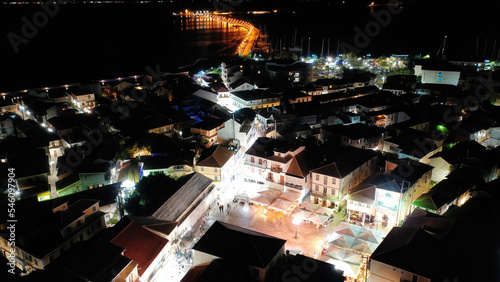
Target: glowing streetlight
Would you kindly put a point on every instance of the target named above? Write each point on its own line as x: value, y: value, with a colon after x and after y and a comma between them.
x: 296, y: 222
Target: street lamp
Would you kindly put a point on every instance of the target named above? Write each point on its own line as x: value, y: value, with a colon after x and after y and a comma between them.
x: 296, y: 222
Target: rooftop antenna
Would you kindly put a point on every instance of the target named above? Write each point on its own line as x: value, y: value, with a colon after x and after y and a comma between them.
x: 441, y: 48
x: 485, y: 44
x: 301, y: 41
x: 493, y: 49
x: 295, y: 38
x: 322, y: 45
x: 328, y: 52
x: 476, y: 52
x: 309, y: 47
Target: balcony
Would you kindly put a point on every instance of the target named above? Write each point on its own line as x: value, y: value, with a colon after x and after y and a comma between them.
x: 273, y: 184
x: 276, y: 169
x: 274, y: 181
x: 262, y: 166
x: 294, y: 186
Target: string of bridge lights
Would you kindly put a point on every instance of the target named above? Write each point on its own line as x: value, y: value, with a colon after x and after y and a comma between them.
x: 243, y: 45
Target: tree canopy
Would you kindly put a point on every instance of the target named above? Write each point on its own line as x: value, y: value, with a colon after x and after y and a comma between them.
x: 150, y: 193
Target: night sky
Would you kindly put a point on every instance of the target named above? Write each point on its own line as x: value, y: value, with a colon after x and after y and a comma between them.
x: 81, y: 42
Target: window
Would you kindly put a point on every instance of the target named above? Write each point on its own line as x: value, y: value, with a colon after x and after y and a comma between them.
x: 317, y: 176
x: 325, y: 180
x: 216, y: 178
x: 325, y: 191
x: 27, y: 256
x: 202, y: 168
x: 252, y: 159
x: 334, y: 181
x: 215, y: 169
x: 94, y: 208
x: 426, y: 178
x: 317, y: 188
x: 80, y: 237
x: 90, y: 230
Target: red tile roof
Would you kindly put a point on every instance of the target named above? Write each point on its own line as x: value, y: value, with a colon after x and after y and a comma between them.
x: 141, y: 245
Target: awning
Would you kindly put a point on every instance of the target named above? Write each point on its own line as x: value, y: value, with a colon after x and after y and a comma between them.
x: 280, y: 205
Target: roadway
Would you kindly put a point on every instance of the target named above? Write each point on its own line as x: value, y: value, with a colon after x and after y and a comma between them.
x: 246, y: 46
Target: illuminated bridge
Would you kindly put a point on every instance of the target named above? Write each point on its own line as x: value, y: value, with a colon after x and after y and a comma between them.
x: 248, y: 43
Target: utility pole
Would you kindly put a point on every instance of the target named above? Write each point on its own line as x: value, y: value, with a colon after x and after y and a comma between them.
x: 322, y: 45
x: 328, y: 52
x: 338, y: 44
x: 301, y: 41
x: 309, y: 47
x: 485, y: 44
x: 295, y: 38
x: 493, y: 49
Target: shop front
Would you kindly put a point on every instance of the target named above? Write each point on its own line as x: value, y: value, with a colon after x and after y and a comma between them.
x: 324, y: 202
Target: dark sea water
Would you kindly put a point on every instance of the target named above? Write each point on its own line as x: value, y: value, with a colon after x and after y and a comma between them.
x: 91, y: 42
x: 82, y: 43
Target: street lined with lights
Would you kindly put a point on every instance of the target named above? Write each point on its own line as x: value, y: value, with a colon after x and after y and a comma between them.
x: 245, y: 47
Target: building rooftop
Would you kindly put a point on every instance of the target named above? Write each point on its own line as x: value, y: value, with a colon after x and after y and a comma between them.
x: 302, y: 163
x: 264, y: 147
x: 196, y: 187
x: 208, y: 124
x: 410, y: 249
x: 436, y: 64
x: 351, y: 159
x: 240, y: 245
x: 256, y: 94
x: 80, y: 92
x: 357, y: 131
x: 216, y: 156
x: 409, y: 170
x: 141, y: 245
